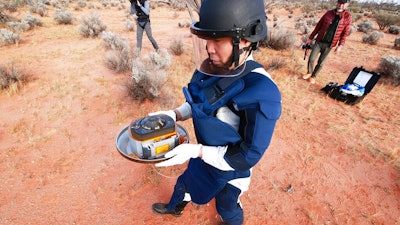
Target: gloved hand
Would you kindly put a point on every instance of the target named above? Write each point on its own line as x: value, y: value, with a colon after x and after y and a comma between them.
x: 169, y: 113
x: 181, y: 154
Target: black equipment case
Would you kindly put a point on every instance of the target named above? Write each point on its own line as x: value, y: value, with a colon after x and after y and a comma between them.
x: 358, y: 76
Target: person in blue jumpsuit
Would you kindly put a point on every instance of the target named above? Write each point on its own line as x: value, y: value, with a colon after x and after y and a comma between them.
x: 234, y: 105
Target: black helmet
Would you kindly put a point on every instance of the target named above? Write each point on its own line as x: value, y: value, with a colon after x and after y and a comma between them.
x: 230, y: 18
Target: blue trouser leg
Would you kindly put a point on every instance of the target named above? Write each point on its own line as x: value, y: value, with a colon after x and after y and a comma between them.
x: 178, y: 195
x: 228, y: 206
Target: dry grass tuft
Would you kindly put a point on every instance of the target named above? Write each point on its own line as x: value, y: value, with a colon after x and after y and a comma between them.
x: 11, y: 78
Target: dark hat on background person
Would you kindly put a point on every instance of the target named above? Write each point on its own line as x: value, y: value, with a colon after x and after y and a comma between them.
x: 343, y: 1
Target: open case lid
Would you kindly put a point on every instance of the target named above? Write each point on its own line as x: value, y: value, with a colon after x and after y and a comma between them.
x: 363, y: 78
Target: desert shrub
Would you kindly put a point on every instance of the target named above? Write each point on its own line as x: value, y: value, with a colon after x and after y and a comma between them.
x: 148, y: 75
x: 384, y: 19
x: 179, y: 5
x: 130, y: 25
x: 357, y: 17
x: 176, y: 47
x: 121, y: 6
x: 159, y: 60
x: 354, y: 8
x: 305, y: 29
x: 27, y: 23
x: 81, y: 3
x: 113, y: 41
x: 32, y: 20
x: 8, y: 37
x: 302, y: 27
x: 307, y: 8
x: 397, y: 43
x: 10, y: 75
x: 18, y: 26
x: 91, y: 26
x: 352, y: 30
x: 90, y: 5
x: 121, y: 57
x: 394, y: 29
x: 38, y: 7
x: 372, y: 38
x: 366, y: 26
x: 10, y: 6
x: 120, y: 61
x: 279, y: 39
x: 183, y: 24
x: 312, y: 22
x: 63, y: 16
x: 304, y: 38
x: 390, y: 67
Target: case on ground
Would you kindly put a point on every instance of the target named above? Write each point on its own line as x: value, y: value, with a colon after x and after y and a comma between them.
x: 359, y: 83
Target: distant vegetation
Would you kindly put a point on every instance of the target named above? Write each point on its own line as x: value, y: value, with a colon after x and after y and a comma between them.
x: 121, y: 58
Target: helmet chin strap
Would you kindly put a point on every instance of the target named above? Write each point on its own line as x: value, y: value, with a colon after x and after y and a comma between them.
x: 237, y: 52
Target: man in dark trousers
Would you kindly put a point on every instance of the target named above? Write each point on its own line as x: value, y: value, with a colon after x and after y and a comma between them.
x: 142, y: 10
x: 330, y: 32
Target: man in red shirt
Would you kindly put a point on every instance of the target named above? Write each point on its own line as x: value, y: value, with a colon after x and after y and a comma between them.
x: 330, y: 32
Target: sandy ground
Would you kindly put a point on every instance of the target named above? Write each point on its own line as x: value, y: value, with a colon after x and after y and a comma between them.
x: 328, y: 163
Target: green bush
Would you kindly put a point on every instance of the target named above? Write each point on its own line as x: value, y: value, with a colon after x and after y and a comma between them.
x: 384, y: 19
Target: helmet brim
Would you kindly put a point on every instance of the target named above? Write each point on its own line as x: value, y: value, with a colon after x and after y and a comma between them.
x: 211, y: 34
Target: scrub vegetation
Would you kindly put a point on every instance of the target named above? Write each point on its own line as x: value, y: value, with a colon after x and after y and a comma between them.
x: 71, y: 80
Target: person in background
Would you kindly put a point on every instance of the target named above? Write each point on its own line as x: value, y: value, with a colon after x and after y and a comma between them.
x: 330, y: 32
x: 234, y: 105
x: 141, y: 9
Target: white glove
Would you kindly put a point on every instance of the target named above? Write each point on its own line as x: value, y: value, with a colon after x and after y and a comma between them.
x: 181, y: 154
x: 169, y: 113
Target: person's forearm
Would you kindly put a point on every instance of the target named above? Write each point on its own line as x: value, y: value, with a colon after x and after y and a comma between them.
x: 145, y: 8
